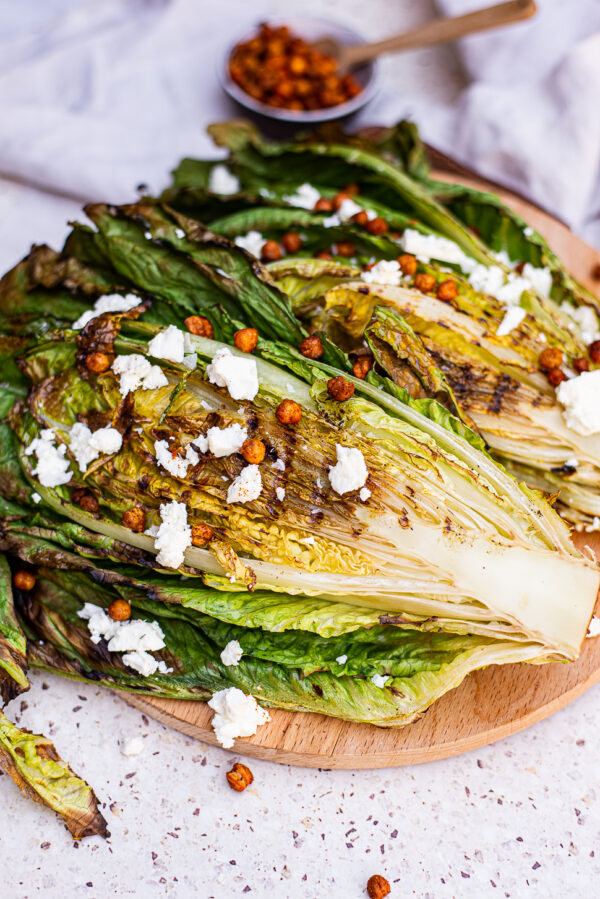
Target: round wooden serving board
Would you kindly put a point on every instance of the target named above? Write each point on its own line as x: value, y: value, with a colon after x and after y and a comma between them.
x: 487, y: 706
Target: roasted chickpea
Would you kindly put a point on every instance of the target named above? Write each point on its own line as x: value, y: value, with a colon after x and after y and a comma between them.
x: 550, y: 358
x: 200, y: 326
x: 289, y: 412
x: 346, y: 248
x: 253, y: 451
x: 311, y: 347
x: 378, y: 887
x: 594, y: 351
x: 89, y: 503
x: 340, y: 389
x: 362, y: 367
x: 24, y: 580
x: 291, y: 242
x: 360, y: 218
x: 134, y: 519
x: 119, y: 610
x: 323, y: 254
x: 447, y: 290
x: 239, y: 777
x: 581, y: 364
x: 298, y: 65
x: 556, y: 376
x: 425, y: 283
x: 97, y: 363
x: 201, y: 534
x: 271, y: 251
x: 408, y: 264
x: 339, y: 199
x: 377, y: 226
x: 246, y: 339
x: 323, y: 204
x: 352, y: 189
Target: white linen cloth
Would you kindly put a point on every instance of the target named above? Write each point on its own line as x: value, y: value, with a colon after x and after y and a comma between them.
x: 114, y: 92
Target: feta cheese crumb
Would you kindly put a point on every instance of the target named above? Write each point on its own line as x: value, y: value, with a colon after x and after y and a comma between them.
x: 513, y: 317
x: 279, y: 464
x: 280, y: 493
x: 539, y: 278
x: 238, y: 374
x: 246, y: 487
x: 222, y: 181
x: 585, y: 318
x: 225, y: 441
x: 380, y: 680
x: 487, y: 279
x: 36, y: 498
x: 232, y: 653
x: 364, y: 494
x: 341, y: 660
x: 176, y: 465
x: 350, y: 471
x: 134, y: 746
x: 385, y: 272
x: 236, y: 715
x: 174, y: 534
x: 594, y: 526
x: 168, y: 344
x: 252, y: 242
x: 580, y: 398
x: 87, y: 446
x: 135, y: 371
x: 594, y: 628
x: 306, y: 197
x: 180, y: 233
x: 349, y: 207
x: 528, y: 232
x: 53, y: 467
x: 331, y: 221
x: 136, y: 638
x: 430, y: 246
x: 109, y: 303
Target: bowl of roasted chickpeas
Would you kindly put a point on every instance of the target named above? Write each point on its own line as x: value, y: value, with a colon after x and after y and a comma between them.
x: 275, y: 71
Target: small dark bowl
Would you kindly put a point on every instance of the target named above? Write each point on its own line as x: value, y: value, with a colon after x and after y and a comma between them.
x: 311, y: 29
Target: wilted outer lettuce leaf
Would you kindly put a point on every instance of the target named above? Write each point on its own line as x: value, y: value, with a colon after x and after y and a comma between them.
x: 13, y: 664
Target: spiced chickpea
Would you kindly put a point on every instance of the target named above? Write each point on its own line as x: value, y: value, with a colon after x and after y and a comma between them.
x: 345, y: 248
x: 200, y: 326
x: 323, y: 254
x: 289, y: 412
x: 581, y: 364
x: 239, y: 777
x: 24, y: 580
x: 253, y: 451
x: 594, y: 352
x: 340, y: 389
x: 246, y: 339
x: 291, y: 242
x: 339, y: 199
x: 360, y: 218
x: 323, y: 204
x: 377, y: 226
x: 424, y: 282
x: 88, y: 502
x: 362, y: 367
x: 550, y: 358
x: 134, y: 519
x: 201, y: 534
x: 97, y: 363
x: 352, y: 189
x: 119, y: 610
x: 311, y: 347
x: 378, y: 887
x: 408, y: 264
x: 556, y: 376
x: 447, y: 290
x: 271, y: 251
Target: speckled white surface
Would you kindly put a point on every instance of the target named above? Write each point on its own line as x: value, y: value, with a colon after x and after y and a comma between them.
x: 518, y: 819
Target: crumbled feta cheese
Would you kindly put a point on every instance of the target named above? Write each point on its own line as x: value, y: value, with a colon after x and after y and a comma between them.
x: 236, y: 715
x: 306, y: 197
x: 135, y: 371
x: 190, y: 361
x: 222, y: 181
x: 539, y: 278
x: 280, y: 493
x: 176, y: 465
x: 503, y: 258
x: 364, y: 494
x: 331, y: 221
x: 252, y: 242
x: 380, y: 680
x: 594, y: 526
x: 36, y: 498
x: 225, y: 441
x: 110, y: 303
x: 135, y: 638
x: 348, y: 208
x: 309, y: 541
x: 430, y: 246
x: 134, y: 746
x: 510, y: 293
x: 580, y: 398
x: 513, y: 317
x: 174, y: 534
x: 180, y: 233
x: 87, y: 446
x: 168, y: 344
x: 246, y: 487
x: 142, y: 662
x: 487, y: 279
x: 52, y: 468
x: 279, y: 464
x: 585, y: 318
x: 238, y: 374
x: 594, y: 628
x: 528, y: 232
x: 341, y: 660
x: 232, y: 653
x: 385, y: 272
x: 571, y: 462
x: 350, y: 471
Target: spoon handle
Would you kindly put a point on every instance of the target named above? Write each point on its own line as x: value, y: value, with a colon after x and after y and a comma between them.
x: 441, y: 30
